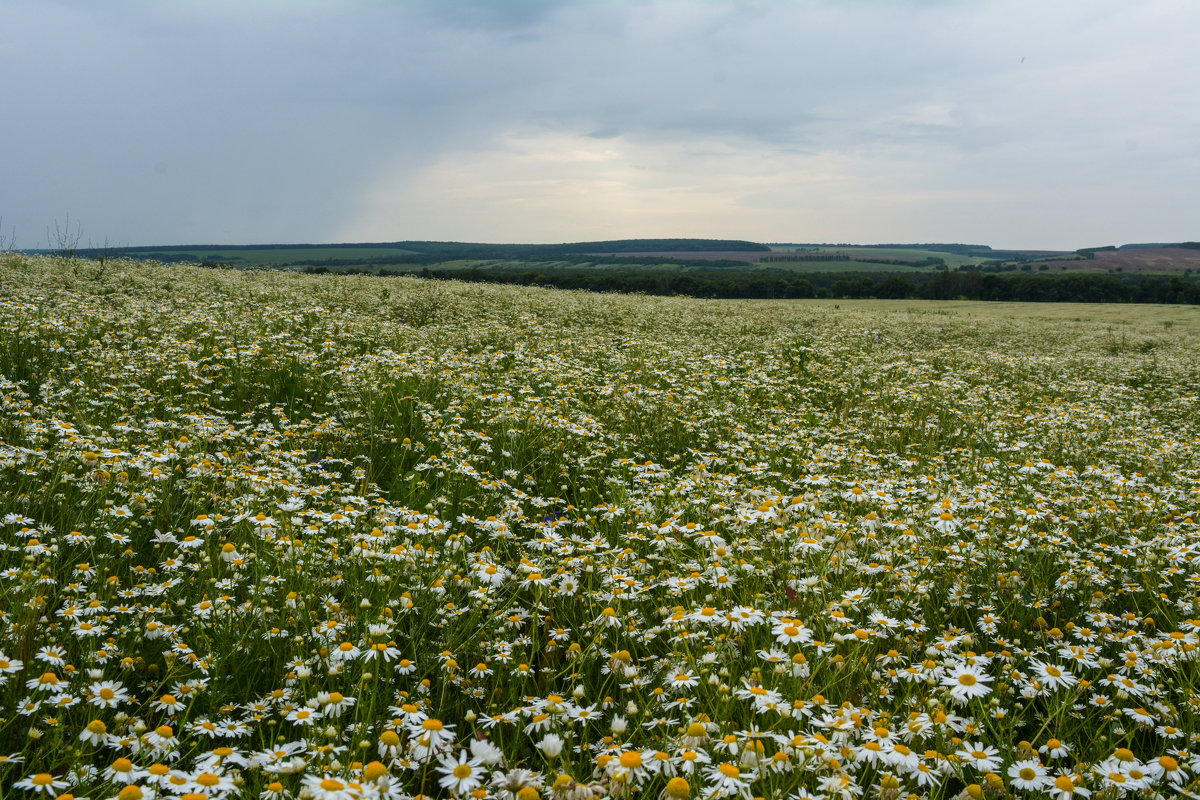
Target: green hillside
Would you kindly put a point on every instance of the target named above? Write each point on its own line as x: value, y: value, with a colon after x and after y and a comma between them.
x: 416, y: 252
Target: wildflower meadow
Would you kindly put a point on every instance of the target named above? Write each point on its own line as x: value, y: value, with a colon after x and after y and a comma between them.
x: 272, y: 535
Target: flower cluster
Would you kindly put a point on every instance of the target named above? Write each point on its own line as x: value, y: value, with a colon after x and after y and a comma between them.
x: 274, y: 535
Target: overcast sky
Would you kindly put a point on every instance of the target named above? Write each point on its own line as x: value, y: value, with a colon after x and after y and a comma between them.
x: 1035, y: 124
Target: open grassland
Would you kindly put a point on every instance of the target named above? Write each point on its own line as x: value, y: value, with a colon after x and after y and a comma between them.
x: 952, y: 260
x: 279, y: 535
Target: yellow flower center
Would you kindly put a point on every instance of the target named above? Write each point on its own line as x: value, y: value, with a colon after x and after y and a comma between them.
x: 678, y: 788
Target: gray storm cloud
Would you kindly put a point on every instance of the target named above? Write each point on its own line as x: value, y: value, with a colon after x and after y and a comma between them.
x: 1013, y: 124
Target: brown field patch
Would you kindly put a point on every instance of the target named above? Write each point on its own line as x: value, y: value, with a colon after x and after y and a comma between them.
x: 1152, y: 259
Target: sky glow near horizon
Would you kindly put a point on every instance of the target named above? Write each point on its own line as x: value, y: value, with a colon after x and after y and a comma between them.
x: 1051, y: 125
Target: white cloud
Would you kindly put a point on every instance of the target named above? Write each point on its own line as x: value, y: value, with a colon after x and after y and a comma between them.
x: 595, y: 188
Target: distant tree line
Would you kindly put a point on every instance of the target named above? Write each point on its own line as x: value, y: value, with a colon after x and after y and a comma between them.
x: 1090, y: 252
x: 937, y: 247
x: 928, y: 261
x: 805, y: 257
x: 942, y: 285
x: 449, y: 251
x: 546, y: 261
x: 1071, y: 288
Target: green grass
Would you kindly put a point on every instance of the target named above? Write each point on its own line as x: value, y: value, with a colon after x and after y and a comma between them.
x: 599, y: 532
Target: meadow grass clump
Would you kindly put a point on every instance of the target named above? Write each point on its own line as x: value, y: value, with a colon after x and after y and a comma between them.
x: 292, y: 536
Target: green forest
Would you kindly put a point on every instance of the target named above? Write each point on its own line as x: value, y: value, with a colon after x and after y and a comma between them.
x: 942, y: 285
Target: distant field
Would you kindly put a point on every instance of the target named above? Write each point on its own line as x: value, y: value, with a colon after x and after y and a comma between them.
x: 313, y: 256
x: 267, y: 256
x: 782, y: 267
x: 707, y: 255
x: 803, y: 264
x: 724, y: 268
x: 360, y: 253
x: 519, y: 265
x: 1151, y: 259
x: 809, y: 267
x: 413, y: 256
x: 952, y: 259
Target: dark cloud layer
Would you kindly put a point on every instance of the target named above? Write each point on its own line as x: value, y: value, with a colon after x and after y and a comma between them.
x: 1015, y: 123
